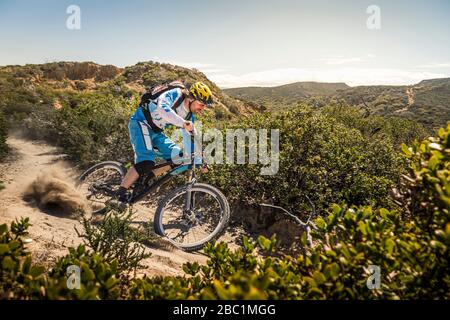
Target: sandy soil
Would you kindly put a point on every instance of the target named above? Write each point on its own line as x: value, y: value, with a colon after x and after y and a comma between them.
x: 52, y: 233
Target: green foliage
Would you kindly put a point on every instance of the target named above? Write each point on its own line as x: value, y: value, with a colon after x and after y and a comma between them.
x: 89, y: 127
x: 95, y: 130
x: 320, y: 157
x: 21, y: 279
x: 99, y: 279
x: 411, y: 250
x: 409, y: 245
x: 412, y: 263
x: 429, y: 183
x: 398, y: 130
x: 115, y: 240
x: 18, y: 277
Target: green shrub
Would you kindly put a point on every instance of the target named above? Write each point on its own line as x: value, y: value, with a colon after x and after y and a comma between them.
x: 18, y: 277
x: 428, y: 195
x: 413, y: 265
x: 320, y: 157
x: 101, y: 278
x: 95, y: 129
x: 398, y: 130
x: 114, y: 239
x: 410, y: 246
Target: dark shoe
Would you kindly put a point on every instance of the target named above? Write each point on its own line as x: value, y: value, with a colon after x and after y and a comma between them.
x: 122, y: 194
x: 123, y: 197
x: 120, y: 200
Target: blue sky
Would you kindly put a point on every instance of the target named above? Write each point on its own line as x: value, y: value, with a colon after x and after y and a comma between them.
x: 239, y: 43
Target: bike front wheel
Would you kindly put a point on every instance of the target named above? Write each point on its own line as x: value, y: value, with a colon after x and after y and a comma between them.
x: 202, y: 222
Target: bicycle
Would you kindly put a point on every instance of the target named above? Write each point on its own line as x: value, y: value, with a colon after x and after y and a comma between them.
x: 177, y: 214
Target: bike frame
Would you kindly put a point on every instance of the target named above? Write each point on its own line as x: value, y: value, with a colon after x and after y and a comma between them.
x: 167, y: 176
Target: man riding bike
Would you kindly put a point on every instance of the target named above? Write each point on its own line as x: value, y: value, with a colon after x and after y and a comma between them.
x: 176, y: 107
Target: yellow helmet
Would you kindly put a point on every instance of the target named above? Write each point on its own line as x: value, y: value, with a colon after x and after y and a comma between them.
x: 201, y: 92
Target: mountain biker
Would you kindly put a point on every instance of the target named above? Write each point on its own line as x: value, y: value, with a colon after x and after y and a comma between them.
x: 147, y: 134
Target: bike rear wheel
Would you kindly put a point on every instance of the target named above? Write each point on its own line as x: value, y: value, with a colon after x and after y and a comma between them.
x: 99, y: 184
x: 203, y: 222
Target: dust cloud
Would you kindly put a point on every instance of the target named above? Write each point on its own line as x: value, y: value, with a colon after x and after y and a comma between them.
x: 55, y: 194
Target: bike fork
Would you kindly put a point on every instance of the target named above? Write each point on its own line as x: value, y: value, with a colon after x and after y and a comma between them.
x: 189, y: 201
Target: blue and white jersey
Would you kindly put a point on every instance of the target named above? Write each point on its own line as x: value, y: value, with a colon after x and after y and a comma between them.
x: 161, y: 110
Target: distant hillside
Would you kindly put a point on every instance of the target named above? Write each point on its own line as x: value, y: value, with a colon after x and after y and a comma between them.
x: 427, y: 102
x: 22, y: 87
x: 274, y: 97
x: 434, y: 82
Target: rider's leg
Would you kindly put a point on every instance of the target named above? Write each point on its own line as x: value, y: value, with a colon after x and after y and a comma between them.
x: 144, y: 155
x: 131, y: 176
x: 173, y: 152
x: 168, y: 149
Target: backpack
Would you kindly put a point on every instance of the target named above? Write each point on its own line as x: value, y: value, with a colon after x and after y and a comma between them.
x: 154, y: 92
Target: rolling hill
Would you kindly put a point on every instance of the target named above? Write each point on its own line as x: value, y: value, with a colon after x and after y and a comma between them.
x: 427, y: 102
x: 23, y: 87
x: 273, y: 97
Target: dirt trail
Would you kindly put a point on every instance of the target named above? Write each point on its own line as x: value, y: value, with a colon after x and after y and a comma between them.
x: 52, y: 234
x: 410, y: 93
x: 410, y: 96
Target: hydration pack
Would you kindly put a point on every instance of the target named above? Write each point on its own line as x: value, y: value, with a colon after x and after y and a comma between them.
x: 154, y: 92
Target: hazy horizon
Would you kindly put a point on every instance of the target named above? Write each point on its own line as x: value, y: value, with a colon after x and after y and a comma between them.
x: 244, y: 86
x: 239, y: 44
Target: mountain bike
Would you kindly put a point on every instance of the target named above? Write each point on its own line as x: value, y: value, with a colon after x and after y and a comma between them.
x: 189, y: 216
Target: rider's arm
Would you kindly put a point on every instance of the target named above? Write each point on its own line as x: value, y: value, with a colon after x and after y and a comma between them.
x: 189, y: 147
x: 164, y: 105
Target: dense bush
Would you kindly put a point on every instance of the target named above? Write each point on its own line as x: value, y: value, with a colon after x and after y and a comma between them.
x: 410, y: 246
x: 428, y: 189
x: 411, y: 250
x: 320, y: 157
x: 89, y: 127
x: 115, y: 239
x: 18, y: 278
x: 398, y: 130
x: 412, y: 264
x: 100, y: 277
